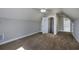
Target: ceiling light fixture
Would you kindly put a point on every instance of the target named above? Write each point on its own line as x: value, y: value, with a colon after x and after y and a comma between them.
x: 43, y: 10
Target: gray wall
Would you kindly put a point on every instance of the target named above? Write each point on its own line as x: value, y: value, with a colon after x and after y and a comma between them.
x: 19, y: 22
x: 60, y: 24
x: 76, y: 29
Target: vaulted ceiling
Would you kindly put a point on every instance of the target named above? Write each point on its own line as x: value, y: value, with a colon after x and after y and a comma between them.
x: 34, y: 13
x: 19, y: 13
x: 73, y: 13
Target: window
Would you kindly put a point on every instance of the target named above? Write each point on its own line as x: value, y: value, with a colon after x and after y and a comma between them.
x: 66, y: 24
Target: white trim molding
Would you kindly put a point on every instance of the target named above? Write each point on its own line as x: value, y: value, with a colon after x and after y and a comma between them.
x: 17, y: 38
x: 75, y: 37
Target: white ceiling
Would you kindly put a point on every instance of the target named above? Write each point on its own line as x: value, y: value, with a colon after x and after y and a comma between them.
x: 73, y: 13
x: 34, y: 13
x: 19, y: 13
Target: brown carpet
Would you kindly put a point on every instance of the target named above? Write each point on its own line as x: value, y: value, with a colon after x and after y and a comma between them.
x: 39, y: 41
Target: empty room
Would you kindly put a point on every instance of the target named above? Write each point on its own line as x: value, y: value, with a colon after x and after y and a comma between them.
x: 39, y: 28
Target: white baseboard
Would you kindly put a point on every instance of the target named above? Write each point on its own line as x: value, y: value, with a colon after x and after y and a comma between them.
x: 75, y: 37
x: 63, y: 31
x: 17, y: 38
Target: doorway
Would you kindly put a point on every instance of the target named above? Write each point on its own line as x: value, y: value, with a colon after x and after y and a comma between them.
x: 51, y: 25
